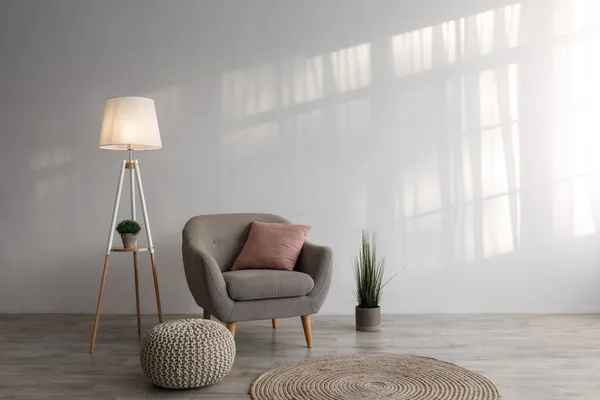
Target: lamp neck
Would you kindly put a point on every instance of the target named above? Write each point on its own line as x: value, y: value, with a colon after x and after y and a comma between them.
x: 130, y: 151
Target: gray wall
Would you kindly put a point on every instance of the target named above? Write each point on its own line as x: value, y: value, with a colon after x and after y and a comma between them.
x: 463, y: 132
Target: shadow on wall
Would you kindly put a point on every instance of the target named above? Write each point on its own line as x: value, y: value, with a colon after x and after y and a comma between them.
x: 438, y: 133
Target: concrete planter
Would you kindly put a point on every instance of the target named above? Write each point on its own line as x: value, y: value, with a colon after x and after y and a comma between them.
x: 129, y: 240
x: 368, y: 319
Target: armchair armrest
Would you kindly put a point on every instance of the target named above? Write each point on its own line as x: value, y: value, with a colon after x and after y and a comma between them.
x: 205, y: 280
x: 316, y: 261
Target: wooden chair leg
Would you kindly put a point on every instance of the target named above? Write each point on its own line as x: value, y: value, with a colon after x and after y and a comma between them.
x: 307, y: 330
x: 274, y: 322
x: 206, y: 315
x: 231, y: 328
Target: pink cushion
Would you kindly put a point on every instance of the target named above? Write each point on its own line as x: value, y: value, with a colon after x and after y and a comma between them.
x: 271, y: 246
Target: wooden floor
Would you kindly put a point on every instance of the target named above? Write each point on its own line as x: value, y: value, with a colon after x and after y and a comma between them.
x: 527, y: 356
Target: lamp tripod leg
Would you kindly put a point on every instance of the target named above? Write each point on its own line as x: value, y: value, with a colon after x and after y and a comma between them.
x: 113, y: 224
x: 111, y: 235
x: 102, y: 282
x: 156, y: 291
x: 149, y: 236
x: 135, y: 254
x: 137, y: 293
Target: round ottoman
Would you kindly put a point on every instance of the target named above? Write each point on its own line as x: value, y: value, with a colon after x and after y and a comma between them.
x: 187, y: 353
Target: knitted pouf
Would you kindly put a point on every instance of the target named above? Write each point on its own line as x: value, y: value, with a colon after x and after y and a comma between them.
x: 187, y: 353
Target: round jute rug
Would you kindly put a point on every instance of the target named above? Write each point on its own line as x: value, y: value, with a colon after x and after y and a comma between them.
x: 372, y: 377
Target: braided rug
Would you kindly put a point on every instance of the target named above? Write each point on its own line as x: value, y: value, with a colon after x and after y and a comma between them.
x: 350, y: 377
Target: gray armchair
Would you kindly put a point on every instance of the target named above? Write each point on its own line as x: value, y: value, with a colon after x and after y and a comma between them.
x: 211, y: 243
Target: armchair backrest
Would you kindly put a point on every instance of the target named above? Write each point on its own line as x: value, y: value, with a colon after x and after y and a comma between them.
x: 224, y: 235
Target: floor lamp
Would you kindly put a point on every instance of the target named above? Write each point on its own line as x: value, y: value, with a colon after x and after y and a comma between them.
x: 129, y: 124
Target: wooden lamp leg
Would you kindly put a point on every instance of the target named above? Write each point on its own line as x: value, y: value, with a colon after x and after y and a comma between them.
x: 137, y: 293
x: 111, y: 234
x: 231, y: 328
x: 140, y: 187
x: 99, y: 304
x: 307, y: 330
x: 160, y: 318
x: 206, y: 315
x: 274, y: 323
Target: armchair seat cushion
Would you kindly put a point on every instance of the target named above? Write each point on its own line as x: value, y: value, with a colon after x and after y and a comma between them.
x: 257, y: 284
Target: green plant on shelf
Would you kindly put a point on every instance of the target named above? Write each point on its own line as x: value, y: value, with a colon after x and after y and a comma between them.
x: 129, y: 226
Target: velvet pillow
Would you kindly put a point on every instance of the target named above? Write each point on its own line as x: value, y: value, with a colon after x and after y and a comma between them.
x: 271, y: 246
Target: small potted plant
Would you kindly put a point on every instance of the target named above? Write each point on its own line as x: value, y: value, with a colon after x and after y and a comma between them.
x: 368, y: 273
x: 128, y: 229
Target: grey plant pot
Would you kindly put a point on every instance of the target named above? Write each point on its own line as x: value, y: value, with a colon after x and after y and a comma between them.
x: 368, y: 319
x: 129, y: 240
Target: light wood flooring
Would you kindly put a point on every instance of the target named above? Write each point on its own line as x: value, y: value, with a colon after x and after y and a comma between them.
x: 45, y: 356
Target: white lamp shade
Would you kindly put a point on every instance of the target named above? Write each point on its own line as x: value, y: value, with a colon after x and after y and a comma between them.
x: 130, y: 124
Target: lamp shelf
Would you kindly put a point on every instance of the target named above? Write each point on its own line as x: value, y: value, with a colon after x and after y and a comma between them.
x: 130, y: 250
